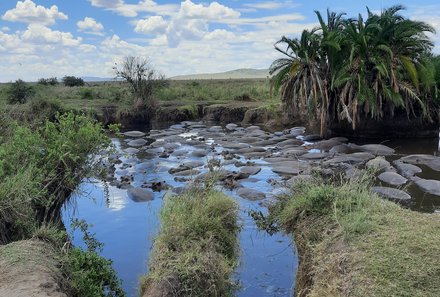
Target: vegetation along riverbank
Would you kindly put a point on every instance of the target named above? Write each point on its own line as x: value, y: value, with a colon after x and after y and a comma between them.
x: 196, y: 250
x: 353, y: 243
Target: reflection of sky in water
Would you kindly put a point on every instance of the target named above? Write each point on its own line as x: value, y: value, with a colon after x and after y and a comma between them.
x: 127, y: 228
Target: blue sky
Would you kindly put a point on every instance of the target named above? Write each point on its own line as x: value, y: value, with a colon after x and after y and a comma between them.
x: 42, y: 38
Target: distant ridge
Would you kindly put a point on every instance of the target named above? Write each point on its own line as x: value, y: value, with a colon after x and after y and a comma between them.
x: 233, y: 74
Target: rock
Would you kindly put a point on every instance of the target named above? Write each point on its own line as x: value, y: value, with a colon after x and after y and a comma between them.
x: 252, y: 128
x: 131, y: 150
x: 391, y: 193
x: 392, y: 178
x: 231, y: 126
x: 179, y: 153
x: 199, y: 153
x: 295, y: 152
x: 215, y: 129
x: 249, y: 139
x: 254, y: 155
x: 137, y: 142
x: 302, y: 178
x: 250, y: 194
x: 234, y: 146
x: 134, y: 134
x: 250, y: 170
x: 364, y: 156
x: 286, y: 170
x: 378, y: 163
x: 339, y: 139
x: 140, y: 195
x: 377, y: 149
x: 430, y: 186
x: 297, y: 131
x: 250, y: 150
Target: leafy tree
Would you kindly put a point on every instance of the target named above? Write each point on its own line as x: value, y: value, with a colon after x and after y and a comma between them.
x: 349, y: 69
x: 72, y: 81
x: 19, y: 92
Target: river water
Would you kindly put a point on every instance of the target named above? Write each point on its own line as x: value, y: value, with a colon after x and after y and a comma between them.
x: 127, y: 228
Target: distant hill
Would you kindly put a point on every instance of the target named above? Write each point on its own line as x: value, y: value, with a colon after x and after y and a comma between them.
x: 233, y: 74
x: 96, y: 79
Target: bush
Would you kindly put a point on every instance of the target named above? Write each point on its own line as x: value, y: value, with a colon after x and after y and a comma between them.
x: 72, y: 81
x: 52, y: 81
x: 19, y: 92
x: 87, y: 94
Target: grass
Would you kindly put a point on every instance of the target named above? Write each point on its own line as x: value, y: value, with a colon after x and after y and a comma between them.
x: 196, y: 250
x: 353, y: 243
x: 95, y: 96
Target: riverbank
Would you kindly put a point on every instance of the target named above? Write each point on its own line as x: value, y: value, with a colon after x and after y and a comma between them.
x: 196, y: 250
x: 353, y: 243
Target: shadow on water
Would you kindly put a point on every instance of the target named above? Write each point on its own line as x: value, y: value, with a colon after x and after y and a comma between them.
x: 267, y: 263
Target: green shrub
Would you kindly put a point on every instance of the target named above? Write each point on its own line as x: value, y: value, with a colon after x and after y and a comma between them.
x: 72, y: 81
x: 52, y: 81
x: 19, y: 92
x: 87, y: 94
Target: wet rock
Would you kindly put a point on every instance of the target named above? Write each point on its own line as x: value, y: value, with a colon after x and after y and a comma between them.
x: 199, y: 153
x: 250, y: 170
x: 252, y: 128
x: 377, y: 149
x: 241, y: 164
x: 137, y: 142
x: 249, y: 139
x: 378, y: 163
x: 294, y: 152
x: 215, y: 129
x: 286, y: 170
x: 254, y: 155
x: 140, y: 195
x: 250, y: 194
x: 430, y: 186
x: 391, y: 193
x: 179, y: 153
x: 339, y: 139
x: 131, y: 150
x: 143, y: 166
x: 157, y: 144
x: 343, y: 159
x: 234, y: 146
x: 266, y: 142
x: 280, y: 192
x: 164, y: 155
x: 134, y: 134
x: 392, y: 178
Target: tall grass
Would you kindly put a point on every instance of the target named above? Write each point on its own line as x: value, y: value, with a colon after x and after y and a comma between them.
x: 196, y: 250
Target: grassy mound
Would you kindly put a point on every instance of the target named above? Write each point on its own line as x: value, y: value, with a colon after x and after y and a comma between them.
x: 353, y: 243
x: 196, y: 250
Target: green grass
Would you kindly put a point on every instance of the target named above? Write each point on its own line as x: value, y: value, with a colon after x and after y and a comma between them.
x: 353, y: 243
x: 196, y: 249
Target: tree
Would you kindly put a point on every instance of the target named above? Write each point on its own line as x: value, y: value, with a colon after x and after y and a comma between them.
x: 72, y: 81
x: 19, y: 92
x: 349, y: 69
x: 142, y: 78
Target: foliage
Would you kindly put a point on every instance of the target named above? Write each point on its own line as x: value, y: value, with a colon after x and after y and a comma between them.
x: 39, y: 168
x: 197, y: 244
x: 51, y: 81
x: 353, y: 243
x: 142, y: 78
x: 72, y: 81
x: 349, y: 69
x: 19, y: 92
x: 91, y: 274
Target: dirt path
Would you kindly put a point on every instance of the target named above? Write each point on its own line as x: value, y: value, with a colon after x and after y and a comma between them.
x: 29, y: 269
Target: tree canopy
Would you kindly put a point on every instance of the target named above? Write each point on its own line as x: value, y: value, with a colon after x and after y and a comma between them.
x: 353, y: 68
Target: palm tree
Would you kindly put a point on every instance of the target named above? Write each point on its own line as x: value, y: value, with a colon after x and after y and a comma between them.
x: 348, y: 69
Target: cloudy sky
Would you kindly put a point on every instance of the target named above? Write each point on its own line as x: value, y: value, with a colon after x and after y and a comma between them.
x: 43, y: 38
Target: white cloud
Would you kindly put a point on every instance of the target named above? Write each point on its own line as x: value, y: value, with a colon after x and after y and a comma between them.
x: 41, y: 34
x: 151, y: 25
x: 270, y: 5
x: 220, y: 35
x: 214, y: 11
x: 28, y: 12
x: 5, y: 29
x: 132, y: 10
x: 90, y: 25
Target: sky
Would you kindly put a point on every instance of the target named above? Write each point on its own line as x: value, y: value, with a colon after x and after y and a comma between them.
x: 46, y: 38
